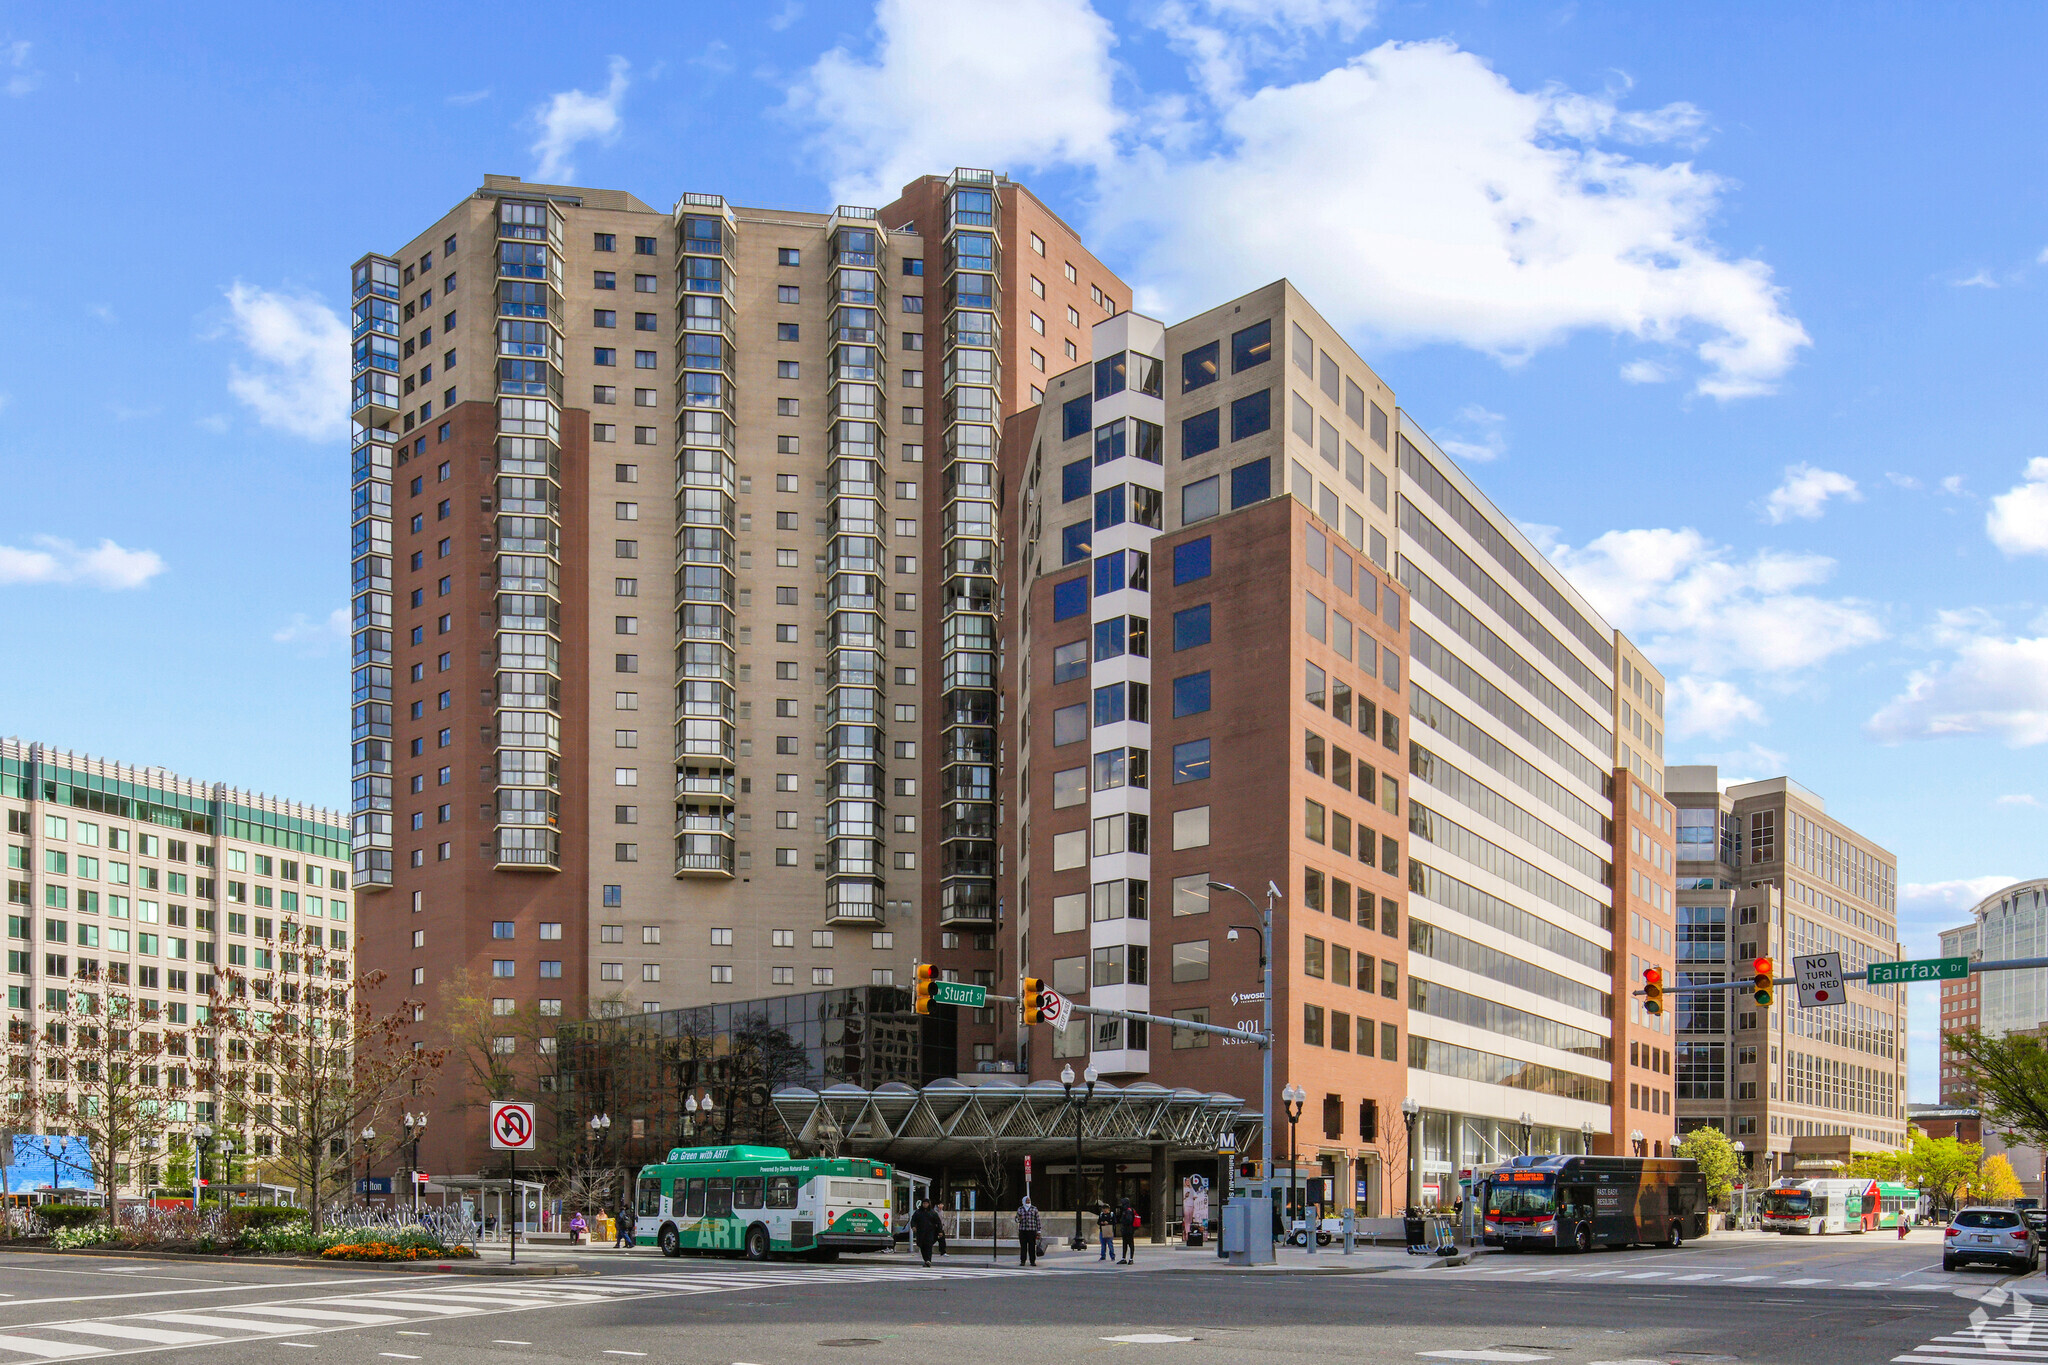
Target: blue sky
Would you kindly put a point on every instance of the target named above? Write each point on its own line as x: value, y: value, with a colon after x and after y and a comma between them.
x: 1737, y: 310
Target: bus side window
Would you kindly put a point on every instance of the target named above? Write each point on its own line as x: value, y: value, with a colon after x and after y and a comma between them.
x: 746, y: 1192
x: 650, y: 1197
x: 719, y: 1204
x: 781, y: 1191
x: 693, y: 1201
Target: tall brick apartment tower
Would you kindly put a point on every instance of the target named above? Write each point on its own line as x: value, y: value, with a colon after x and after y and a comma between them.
x: 675, y: 590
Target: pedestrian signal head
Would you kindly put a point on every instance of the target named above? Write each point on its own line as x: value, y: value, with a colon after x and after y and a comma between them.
x: 922, y: 997
x: 1033, y: 996
x: 1653, y: 990
x: 1762, y: 989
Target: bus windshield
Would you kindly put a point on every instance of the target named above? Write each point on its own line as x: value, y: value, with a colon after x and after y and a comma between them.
x: 1521, y: 1201
x: 1786, y: 1201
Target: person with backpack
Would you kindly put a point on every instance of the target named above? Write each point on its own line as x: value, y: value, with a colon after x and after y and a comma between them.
x: 1127, y: 1223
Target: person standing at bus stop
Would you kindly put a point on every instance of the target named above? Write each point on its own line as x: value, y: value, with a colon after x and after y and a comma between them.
x: 926, y: 1228
x: 1127, y: 1229
x: 1028, y: 1225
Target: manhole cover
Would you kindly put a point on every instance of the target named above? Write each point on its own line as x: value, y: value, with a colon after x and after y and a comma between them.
x: 852, y: 1341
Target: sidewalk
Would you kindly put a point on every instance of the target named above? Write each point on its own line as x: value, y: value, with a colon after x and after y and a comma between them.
x: 1330, y: 1260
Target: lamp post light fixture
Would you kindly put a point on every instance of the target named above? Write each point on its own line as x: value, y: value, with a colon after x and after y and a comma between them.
x: 1528, y: 1127
x: 200, y: 1133
x: 369, y: 1135
x: 1410, y: 1111
x: 1586, y: 1138
x: 1067, y: 1082
x: 1265, y: 931
x: 226, y: 1148
x: 1294, y: 1097
x: 415, y: 1129
x: 1635, y: 1138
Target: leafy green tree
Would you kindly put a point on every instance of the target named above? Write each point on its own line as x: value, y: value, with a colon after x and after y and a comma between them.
x: 2009, y: 1072
x: 1876, y: 1166
x: 1946, y: 1168
x: 1718, y: 1163
x: 180, y: 1172
x: 1997, y: 1183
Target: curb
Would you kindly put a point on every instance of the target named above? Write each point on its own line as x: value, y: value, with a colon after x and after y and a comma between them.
x: 386, y: 1267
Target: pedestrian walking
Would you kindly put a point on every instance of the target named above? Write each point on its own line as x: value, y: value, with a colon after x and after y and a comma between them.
x: 1105, y: 1228
x: 627, y: 1221
x: 926, y: 1228
x: 1127, y: 1228
x: 1028, y: 1225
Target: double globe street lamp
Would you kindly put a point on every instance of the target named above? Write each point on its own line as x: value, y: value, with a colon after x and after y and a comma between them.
x: 1295, y: 1097
x: 1080, y: 1114
x: 415, y: 1129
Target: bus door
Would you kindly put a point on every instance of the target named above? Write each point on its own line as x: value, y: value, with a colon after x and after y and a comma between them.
x: 1574, y: 1206
x: 649, y: 1208
x: 693, y: 1198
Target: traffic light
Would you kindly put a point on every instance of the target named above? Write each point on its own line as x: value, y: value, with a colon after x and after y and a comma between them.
x: 1034, y: 1000
x: 1763, y: 980
x: 922, y: 991
x: 1653, y: 990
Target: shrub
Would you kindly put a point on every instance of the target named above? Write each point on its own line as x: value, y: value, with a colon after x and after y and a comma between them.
x: 389, y: 1251
x: 70, y: 1215
x: 259, y: 1216
x: 87, y: 1235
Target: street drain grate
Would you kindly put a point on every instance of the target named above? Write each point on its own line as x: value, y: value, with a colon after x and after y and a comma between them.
x: 852, y: 1341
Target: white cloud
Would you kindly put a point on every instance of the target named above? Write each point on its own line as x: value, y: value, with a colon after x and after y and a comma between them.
x: 1691, y: 602
x: 2018, y: 520
x: 1805, y: 492
x: 468, y: 97
x: 1906, y: 481
x: 1644, y: 372
x: 1932, y: 906
x: 213, y: 423
x: 1994, y: 686
x: 1515, y: 223
x: 1345, y: 16
x: 1751, y: 763
x: 1710, y: 706
x: 1953, y: 484
x: 790, y: 12
x: 299, y: 381
x: 2018, y: 799
x: 53, y: 560
x: 1004, y: 84
x: 1981, y: 280
x: 576, y: 116
x: 301, y: 631
x: 21, y: 78
x: 1483, y: 436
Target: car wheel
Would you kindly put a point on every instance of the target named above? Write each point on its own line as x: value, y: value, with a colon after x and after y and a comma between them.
x: 1948, y: 1263
x: 757, y: 1243
x: 671, y: 1241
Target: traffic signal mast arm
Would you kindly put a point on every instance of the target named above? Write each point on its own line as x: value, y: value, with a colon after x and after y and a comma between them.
x: 1241, y: 1034
x: 1745, y: 983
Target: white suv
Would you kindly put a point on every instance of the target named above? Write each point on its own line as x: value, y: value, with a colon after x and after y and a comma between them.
x: 1997, y: 1235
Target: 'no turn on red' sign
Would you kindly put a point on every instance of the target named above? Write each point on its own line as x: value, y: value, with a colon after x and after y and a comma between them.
x: 511, y: 1126
x: 1820, y: 979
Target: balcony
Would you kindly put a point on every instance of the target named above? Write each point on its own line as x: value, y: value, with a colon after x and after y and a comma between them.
x: 522, y: 849
x: 704, y: 846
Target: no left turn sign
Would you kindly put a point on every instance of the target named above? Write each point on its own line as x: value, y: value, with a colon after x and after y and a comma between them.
x: 511, y: 1126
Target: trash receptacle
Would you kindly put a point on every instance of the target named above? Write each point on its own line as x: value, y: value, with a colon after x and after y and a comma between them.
x: 1416, y: 1231
x: 601, y: 1229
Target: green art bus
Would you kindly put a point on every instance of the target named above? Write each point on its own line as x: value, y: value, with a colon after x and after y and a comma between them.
x: 1822, y: 1206
x: 758, y: 1202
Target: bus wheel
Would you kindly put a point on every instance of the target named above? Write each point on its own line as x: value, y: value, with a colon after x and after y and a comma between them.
x: 671, y: 1243
x: 757, y: 1243
x: 1677, y: 1237
x: 1585, y: 1237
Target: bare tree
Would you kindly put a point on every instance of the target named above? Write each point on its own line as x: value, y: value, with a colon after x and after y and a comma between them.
x: 325, y: 1058
x: 103, y: 1076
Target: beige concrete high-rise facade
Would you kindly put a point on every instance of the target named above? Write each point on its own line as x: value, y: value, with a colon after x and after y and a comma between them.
x: 1765, y: 871
x: 675, y: 588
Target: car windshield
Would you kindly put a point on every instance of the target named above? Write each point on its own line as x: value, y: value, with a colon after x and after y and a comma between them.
x: 1987, y: 1218
x: 1521, y: 1201
x: 1786, y: 1201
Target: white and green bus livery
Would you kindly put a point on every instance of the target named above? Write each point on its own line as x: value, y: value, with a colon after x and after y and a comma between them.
x: 758, y: 1202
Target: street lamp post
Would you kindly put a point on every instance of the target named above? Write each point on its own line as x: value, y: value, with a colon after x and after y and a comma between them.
x: 1410, y: 1111
x: 1295, y: 1097
x: 600, y: 1128
x: 1067, y: 1081
x: 415, y: 1129
x: 1528, y: 1127
x: 1586, y: 1138
x: 1266, y: 986
x: 369, y: 1136
x: 200, y: 1133
x: 226, y: 1148
x: 1635, y: 1138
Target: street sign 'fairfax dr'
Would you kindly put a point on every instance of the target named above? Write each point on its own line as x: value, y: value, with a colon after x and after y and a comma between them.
x: 1923, y: 969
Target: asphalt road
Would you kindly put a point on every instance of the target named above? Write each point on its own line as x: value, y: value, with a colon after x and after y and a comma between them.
x: 1837, y: 1301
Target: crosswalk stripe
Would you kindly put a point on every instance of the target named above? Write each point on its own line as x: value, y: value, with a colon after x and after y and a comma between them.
x: 297, y: 1314
x: 127, y: 1332
x: 47, y: 1350
x: 226, y: 1324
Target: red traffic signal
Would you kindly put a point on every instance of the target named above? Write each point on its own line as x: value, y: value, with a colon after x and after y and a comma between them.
x: 1762, y: 987
x: 1653, y: 990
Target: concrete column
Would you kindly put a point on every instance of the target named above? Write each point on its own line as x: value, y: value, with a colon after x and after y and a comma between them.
x: 1163, y: 1193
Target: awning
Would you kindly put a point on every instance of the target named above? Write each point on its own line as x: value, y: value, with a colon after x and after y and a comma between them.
x: 950, y: 1120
